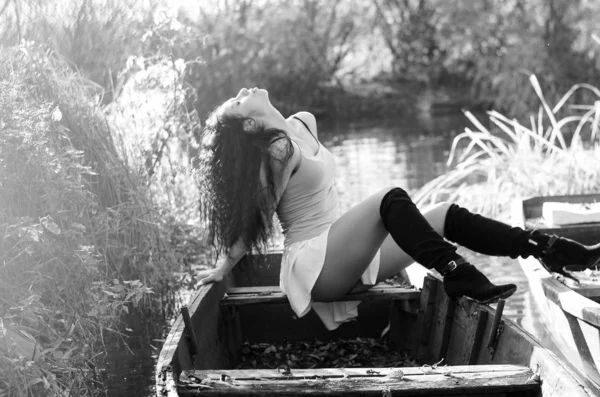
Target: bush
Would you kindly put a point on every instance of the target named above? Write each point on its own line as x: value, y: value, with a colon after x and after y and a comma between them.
x: 81, y: 237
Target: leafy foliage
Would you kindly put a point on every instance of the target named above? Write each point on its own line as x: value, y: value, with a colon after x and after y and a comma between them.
x: 77, y: 226
x: 342, y: 353
x: 493, y: 46
x: 95, y: 35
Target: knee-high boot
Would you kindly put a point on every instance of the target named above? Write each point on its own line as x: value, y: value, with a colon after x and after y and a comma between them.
x: 491, y: 237
x: 415, y: 236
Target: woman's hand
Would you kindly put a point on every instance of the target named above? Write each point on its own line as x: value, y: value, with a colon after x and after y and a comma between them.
x: 210, y: 276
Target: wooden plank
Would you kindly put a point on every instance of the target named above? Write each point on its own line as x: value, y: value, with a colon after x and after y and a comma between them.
x: 586, y: 348
x: 322, y: 373
x: 274, y: 295
x: 532, y: 209
x: 275, y: 288
x: 442, y: 324
x: 533, y: 206
x: 520, y: 348
x: 588, y: 291
x: 473, y: 332
x: 571, y: 302
x: 465, y: 380
x: 215, y: 347
x: 425, y: 318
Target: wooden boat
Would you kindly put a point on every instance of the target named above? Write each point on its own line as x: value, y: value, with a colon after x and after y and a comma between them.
x: 569, y: 310
x: 484, y: 353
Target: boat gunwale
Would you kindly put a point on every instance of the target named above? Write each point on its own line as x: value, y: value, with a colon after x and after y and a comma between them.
x: 167, y: 366
x: 567, y: 298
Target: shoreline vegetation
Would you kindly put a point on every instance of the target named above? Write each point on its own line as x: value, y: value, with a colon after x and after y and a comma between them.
x: 101, y: 109
x: 83, y: 242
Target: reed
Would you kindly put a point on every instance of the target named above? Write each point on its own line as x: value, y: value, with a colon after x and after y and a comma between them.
x: 548, y: 156
x: 82, y: 238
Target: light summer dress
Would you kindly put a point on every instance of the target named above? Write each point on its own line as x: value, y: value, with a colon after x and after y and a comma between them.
x: 306, y: 210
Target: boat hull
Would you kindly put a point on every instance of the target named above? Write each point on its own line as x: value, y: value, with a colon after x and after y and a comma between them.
x: 486, y: 353
x: 569, y: 317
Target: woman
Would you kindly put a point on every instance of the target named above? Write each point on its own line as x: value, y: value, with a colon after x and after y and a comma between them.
x: 255, y: 162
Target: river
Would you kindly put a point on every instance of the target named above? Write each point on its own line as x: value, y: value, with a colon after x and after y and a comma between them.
x: 407, y: 152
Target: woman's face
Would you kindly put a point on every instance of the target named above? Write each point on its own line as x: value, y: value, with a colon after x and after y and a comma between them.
x: 248, y: 103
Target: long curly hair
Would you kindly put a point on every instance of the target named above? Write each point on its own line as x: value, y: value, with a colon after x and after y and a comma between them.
x: 233, y: 200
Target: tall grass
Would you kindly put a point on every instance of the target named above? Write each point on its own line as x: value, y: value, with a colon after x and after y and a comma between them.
x: 549, y: 155
x: 96, y: 35
x: 82, y: 238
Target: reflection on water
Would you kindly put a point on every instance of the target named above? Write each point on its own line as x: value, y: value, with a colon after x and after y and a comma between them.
x: 369, y: 159
x: 407, y: 153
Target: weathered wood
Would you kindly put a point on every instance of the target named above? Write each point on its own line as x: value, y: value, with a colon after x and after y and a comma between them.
x: 441, y: 326
x: 468, y: 327
x: 460, y: 380
x: 262, y: 295
x: 215, y: 349
x: 189, y: 330
x: 496, y: 328
x: 588, y: 233
x: 517, y: 346
x: 426, y: 311
x: 221, y: 328
x: 571, y: 302
x: 589, y: 291
x: 533, y: 206
x: 266, y: 289
x: 324, y: 373
x: 570, y: 313
x: 474, y: 335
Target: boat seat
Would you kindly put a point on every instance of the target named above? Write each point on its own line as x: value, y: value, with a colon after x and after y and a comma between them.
x: 460, y: 380
x: 272, y: 294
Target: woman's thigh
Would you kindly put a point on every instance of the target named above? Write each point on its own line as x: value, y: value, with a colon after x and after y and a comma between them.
x: 352, y: 243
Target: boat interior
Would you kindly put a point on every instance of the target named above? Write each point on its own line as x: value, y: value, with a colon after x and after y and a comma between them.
x: 461, y: 348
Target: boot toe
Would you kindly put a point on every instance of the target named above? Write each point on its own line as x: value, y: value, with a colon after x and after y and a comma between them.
x: 499, y: 292
x: 467, y: 281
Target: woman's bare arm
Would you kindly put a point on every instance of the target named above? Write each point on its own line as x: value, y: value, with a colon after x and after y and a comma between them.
x: 234, y: 254
x: 281, y: 175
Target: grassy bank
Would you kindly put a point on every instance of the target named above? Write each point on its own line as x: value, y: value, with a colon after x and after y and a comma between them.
x: 550, y: 155
x: 84, y: 241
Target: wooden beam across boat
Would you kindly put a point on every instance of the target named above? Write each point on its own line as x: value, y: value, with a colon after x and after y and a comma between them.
x: 272, y: 294
x: 412, y: 381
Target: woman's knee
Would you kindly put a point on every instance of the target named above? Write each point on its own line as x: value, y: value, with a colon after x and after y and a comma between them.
x: 393, y: 197
x: 436, y: 216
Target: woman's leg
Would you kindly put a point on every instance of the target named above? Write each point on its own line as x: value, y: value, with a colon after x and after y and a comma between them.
x: 355, y: 238
x: 490, y: 237
x: 353, y: 241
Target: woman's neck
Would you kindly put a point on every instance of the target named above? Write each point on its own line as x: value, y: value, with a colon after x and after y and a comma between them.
x: 273, y: 119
